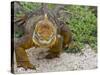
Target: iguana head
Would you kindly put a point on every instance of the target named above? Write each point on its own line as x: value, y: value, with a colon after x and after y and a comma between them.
x: 45, y: 32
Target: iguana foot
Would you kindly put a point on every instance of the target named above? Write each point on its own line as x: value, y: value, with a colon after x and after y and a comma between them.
x: 26, y: 65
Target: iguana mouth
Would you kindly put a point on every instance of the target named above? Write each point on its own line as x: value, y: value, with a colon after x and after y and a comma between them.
x: 43, y: 43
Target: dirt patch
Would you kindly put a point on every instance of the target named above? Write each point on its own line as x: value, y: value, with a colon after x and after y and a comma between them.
x: 66, y: 61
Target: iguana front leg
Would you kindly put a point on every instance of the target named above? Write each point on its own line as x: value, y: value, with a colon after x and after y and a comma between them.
x: 21, y: 55
x: 56, y: 49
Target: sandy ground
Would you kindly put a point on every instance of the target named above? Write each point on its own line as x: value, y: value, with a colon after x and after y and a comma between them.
x: 66, y: 61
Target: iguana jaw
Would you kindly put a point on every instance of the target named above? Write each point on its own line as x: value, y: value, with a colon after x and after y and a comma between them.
x: 43, y: 43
